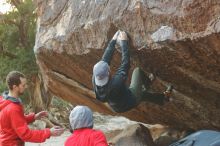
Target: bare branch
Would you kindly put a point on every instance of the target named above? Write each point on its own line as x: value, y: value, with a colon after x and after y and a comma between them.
x: 9, y: 22
x: 4, y: 52
x: 16, y: 3
x: 9, y: 54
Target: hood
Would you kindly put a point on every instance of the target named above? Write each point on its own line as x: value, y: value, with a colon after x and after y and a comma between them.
x: 5, y: 100
x: 81, y: 117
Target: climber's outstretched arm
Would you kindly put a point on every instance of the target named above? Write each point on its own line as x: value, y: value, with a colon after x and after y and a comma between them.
x: 107, y: 56
x: 125, y: 60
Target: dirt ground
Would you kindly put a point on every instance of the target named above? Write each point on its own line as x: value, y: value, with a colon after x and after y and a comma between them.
x: 53, y: 141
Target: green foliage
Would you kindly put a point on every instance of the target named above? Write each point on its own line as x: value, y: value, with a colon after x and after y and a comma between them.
x: 17, y: 36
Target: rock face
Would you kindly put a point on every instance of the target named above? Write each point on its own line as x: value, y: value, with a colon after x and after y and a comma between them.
x: 176, y: 40
x: 135, y: 135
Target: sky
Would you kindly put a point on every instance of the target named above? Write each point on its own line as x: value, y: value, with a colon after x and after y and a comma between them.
x: 4, y: 7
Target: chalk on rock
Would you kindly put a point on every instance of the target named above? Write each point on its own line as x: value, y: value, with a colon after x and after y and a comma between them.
x: 163, y: 33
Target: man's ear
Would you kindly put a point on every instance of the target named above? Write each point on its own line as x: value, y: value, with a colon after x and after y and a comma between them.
x: 14, y: 87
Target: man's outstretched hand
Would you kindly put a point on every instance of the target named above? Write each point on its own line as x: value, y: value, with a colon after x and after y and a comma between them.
x: 56, y: 131
x: 41, y: 115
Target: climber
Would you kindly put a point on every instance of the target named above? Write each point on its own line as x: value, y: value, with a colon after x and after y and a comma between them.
x: 112, y: 89
x: 83, y: 134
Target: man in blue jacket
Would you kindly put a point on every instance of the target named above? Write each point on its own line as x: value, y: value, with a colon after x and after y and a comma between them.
x: 113, y: 89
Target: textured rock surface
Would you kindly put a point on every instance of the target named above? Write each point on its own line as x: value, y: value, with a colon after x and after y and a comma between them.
x: 177, y: 40
x: 135, y: 135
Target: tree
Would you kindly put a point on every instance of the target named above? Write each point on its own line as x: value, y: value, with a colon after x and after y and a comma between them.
x: 17, y: 37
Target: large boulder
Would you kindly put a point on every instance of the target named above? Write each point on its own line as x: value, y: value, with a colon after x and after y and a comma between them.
x: 133, y: 135
x: 176, y: 40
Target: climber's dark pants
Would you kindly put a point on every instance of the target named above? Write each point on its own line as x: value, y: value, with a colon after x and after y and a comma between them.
x: 138, y: 80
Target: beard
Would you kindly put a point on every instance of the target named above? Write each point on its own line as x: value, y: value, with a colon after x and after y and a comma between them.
x: 20, y: 93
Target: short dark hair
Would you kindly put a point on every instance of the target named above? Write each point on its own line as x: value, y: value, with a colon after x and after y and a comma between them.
x: 13, y: 78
